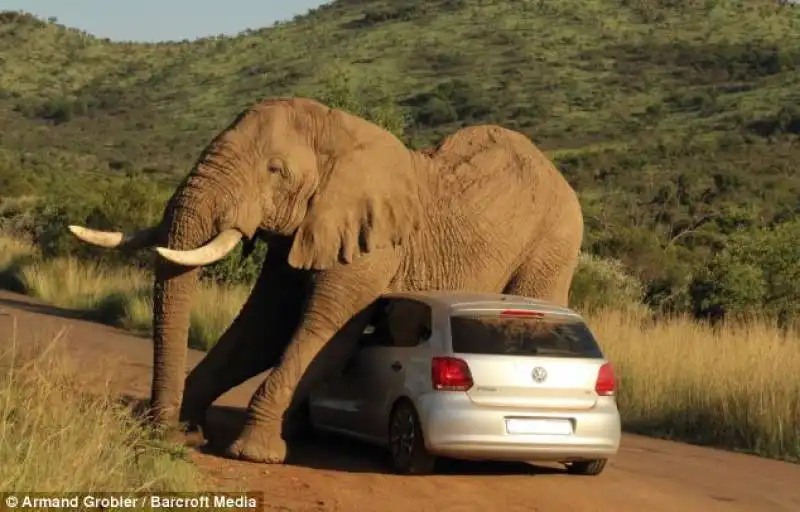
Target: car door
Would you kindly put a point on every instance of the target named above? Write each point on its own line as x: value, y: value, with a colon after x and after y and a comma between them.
x: 337, y: 404
x: 362, y: 381
x: 357, y: 401
x: 403, y: 326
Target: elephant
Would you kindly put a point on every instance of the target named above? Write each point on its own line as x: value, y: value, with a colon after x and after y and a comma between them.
x: 348, y: 213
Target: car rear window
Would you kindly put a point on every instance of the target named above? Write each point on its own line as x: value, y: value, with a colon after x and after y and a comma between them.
x: 547, y: 336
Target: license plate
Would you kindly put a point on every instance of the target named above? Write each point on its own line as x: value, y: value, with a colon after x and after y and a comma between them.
x: 539, y: 426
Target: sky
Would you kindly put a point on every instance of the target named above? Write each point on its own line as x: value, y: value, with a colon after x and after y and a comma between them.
x: 162, y: 20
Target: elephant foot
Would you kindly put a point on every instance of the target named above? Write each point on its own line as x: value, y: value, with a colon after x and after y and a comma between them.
x: 181, y: 433
x: 190, y: 439
x: 258, y: 444
x: 193, y: 422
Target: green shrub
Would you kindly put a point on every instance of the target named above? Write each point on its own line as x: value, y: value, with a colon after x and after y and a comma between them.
x: 758, y: 271
x: 728, y: 287
x: 604, y: 284
x: 234, y: 270
x: 368, y: 100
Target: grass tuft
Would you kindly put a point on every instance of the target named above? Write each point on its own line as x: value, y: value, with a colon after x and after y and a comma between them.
x: 64, y: 430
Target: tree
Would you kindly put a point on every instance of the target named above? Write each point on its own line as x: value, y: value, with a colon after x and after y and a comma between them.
x: 370, y: 101
x: 758, y: 270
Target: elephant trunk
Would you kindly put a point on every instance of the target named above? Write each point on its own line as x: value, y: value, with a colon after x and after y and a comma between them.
x: 188, y: 223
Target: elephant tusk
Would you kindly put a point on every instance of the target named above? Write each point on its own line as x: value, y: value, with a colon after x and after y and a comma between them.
x: 116, y: 239
x: 209, y: 253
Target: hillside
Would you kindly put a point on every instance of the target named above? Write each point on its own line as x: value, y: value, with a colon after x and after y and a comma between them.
x: 677, y: 120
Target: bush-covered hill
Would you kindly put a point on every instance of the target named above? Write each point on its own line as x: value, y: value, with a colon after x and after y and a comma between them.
x: 676, y: 120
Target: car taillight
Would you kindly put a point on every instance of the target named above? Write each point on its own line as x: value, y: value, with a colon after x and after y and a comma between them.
x: 450, y: 374
x: 605, y: 384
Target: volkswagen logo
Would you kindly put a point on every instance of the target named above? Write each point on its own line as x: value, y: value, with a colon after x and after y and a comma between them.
x: 539, y: 374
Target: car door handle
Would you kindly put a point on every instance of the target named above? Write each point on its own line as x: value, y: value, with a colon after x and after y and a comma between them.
x: 396, y: 366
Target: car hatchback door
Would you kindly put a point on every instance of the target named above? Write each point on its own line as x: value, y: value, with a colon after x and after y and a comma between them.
x: 528, y: 360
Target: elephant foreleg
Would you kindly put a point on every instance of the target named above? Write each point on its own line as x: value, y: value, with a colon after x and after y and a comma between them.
x: 238, y: 356
x: 319, y: 346
x: 255, y: 340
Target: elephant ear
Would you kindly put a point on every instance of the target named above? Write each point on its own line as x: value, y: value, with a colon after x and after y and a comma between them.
x: 367, y: 201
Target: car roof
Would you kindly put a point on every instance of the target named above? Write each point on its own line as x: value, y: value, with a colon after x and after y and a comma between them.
x: 469, y: 300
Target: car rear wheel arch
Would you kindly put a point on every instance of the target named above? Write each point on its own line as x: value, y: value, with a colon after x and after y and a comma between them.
x: 419, y: 460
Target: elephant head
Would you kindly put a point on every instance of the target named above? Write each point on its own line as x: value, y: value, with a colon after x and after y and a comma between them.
x: 338, y: 185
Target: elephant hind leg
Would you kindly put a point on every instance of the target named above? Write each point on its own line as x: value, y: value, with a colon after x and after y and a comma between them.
x: 546, y: 275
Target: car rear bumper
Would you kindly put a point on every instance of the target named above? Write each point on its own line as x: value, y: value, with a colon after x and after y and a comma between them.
x: 454, y: 426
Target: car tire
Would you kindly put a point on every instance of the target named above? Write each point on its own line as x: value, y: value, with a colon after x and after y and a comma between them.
x: 587, y: 467
x: 407, y: 451
x: 298, y: 426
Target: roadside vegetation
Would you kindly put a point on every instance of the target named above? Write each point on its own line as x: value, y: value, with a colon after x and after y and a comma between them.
x: 725, y: 386
x: 676, y: 122
x: 64, y: 430
x: 114, y: 295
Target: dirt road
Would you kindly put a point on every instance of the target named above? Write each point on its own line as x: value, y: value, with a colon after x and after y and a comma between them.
x: 648, y: 474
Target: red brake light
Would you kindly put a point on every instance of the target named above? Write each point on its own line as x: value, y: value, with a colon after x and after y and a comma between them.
x: 605, y: 384
x: 450, y: 374
x: 526, y: 313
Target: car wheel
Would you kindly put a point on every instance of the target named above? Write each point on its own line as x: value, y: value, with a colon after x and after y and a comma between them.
x: 406, y: 444
x: 298, y: 425
x: 587, y: 467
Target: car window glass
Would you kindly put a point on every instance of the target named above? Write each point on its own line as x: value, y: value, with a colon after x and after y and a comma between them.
x: 551, y: 337
x: 377, y: 331
x: 398, y: 323
x: 408, y: 321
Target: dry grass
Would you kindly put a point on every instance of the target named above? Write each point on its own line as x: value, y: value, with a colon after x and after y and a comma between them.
x: 73, y: 284
x: 734, y: 386
x: 62, y: 430
x: 213, y: 310
x: 116, y: 296
x: 13, y: 248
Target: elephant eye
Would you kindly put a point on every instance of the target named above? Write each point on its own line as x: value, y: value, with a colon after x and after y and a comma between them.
x: 275, y: 165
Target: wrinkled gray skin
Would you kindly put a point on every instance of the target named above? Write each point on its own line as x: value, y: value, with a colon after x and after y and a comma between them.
x: 348, y: 213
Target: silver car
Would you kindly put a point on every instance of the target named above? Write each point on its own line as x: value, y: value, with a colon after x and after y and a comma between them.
x: 475, y: 376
